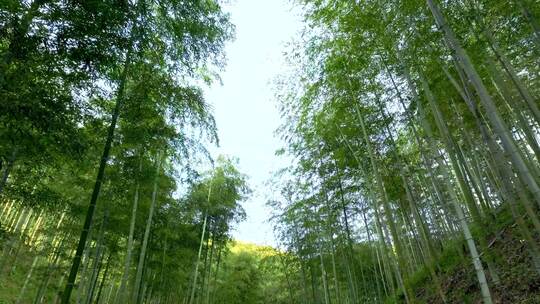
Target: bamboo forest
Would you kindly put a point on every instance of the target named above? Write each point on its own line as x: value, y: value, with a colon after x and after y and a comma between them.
x: 406, y: 169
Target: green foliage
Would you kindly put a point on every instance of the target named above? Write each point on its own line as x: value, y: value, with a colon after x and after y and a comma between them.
x: 241, y: 281
x: 393, y: 137
x: 399, y: 145
x: 64, y: 66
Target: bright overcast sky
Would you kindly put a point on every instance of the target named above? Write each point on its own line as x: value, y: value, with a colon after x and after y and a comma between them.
x: 244, y: 106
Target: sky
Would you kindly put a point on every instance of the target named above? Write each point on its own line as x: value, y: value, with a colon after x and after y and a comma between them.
x: 244, y: 105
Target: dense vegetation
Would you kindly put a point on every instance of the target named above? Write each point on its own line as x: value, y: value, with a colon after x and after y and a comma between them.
x: 412, y: 128
x: 110, y: 88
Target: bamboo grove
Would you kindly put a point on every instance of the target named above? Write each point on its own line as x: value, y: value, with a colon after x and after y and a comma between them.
x: 413, y: 129
x: 104, y: 130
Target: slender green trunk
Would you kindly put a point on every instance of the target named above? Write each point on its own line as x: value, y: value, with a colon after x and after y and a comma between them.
x: 6, y: 211
x: 420, y: 223
x: 103, y: 279
x: 499, y: 166
x: 56, y: 254
x: 209, y: 275
x: 142, y: 256
x: 523, y: 91
x: 196, y: 272
x: 93, y: 283
x: 486, y: 295
x: 207, y: 251
x: 18, y: 243
x: 499, y: 126
x: 121, y: 298
x: 287, y: 278
x: 350, y: 256
x: 97, y: 260
x: 218, y: 263
x: 22, y: 293
x: 34, y: 231
x: 99, y: 180
x: 386, y: 207
x: 324, y: 276
x: 385, y: 272
x: 517, y: 111
x: 86, y: 263
x: 296, y: 240
x: 452, y: 149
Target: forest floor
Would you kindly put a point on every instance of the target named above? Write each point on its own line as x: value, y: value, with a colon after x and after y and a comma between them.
x: 519, y: 281
x: 14, y: 271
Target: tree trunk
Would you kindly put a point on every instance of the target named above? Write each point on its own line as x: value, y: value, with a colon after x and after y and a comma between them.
x: 523, y: 92
x: 99, y: 180
x: 27, y: 280
x: 324, y: 277
x: 138, y: 277
x: 209, y: 274
x: 121, y: 298
x: 196, y: 273
x: 97, y: 260
x: 486, y: 295
x: 386, y: 206
x: 103, y: 279
x: 499, y: 126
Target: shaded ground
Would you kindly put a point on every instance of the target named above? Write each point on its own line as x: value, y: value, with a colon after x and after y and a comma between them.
x: 519, y: 281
